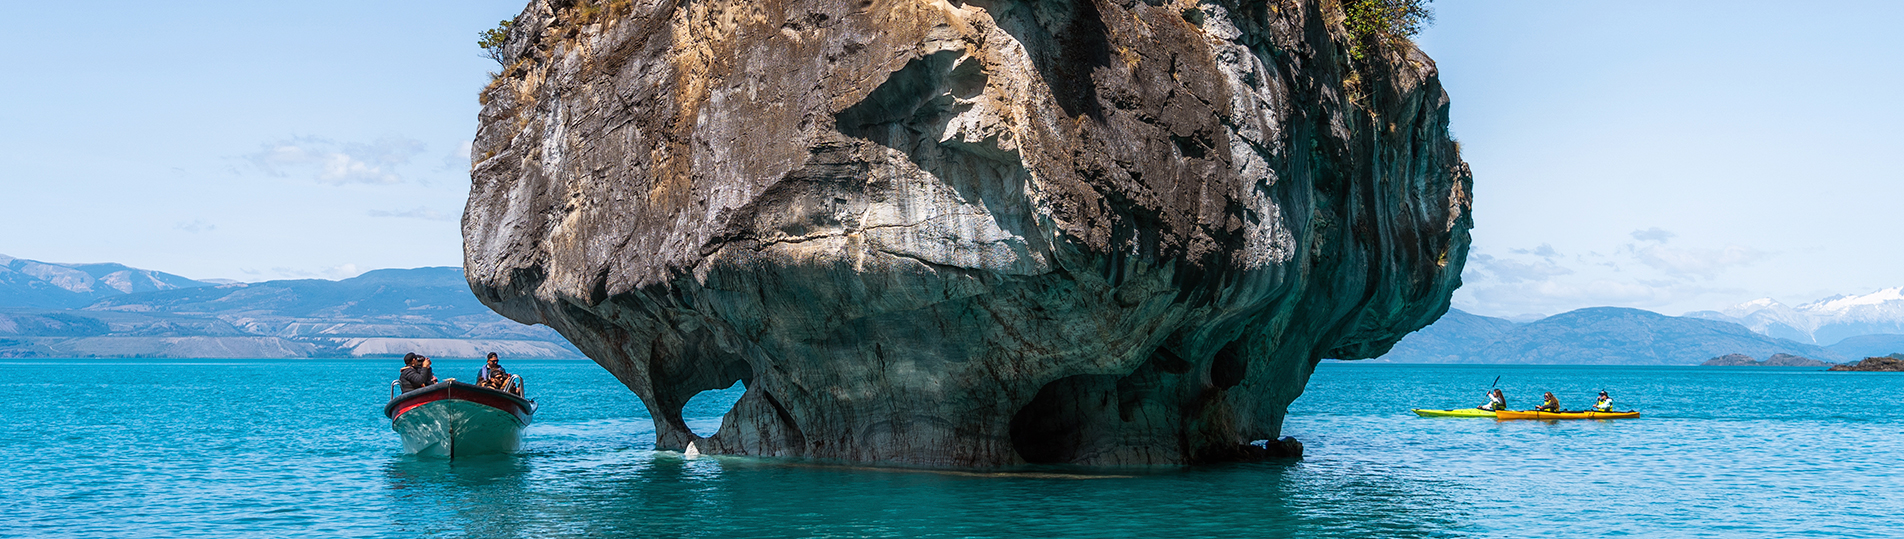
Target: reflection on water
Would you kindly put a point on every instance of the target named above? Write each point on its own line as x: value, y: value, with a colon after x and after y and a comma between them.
x: 593, y: 476
x: 473, y: 496
x: 661, y: 493
x: 185, y: 450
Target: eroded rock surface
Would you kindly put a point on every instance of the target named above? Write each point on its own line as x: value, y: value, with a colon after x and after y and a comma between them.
x: 965, y: 233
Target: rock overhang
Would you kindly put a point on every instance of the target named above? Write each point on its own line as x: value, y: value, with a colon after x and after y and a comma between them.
x: 973, y: 234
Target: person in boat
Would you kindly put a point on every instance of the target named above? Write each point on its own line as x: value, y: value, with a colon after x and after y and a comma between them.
x: 403, y: 374
x: 409, y: 364
x: 418, y: 374
x: 493, y: 376
x: 1604, y: 404
x: 1495, y: 401
x: 1548, y: 403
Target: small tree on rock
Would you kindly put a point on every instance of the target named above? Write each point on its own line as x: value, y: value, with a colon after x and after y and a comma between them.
x: 492, y: 40
x: 1377, y: 22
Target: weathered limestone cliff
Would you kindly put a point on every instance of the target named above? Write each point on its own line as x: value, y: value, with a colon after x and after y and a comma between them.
x: 978, y: 233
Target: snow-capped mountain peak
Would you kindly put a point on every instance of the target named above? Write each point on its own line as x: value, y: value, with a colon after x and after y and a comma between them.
x: 1762, y: 304
x: 1842, y: 303
x: 1824, y: 321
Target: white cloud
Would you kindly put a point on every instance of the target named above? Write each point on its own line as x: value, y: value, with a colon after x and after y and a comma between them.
x: 1541, y: 279
x: 344, y: 271
x: 1553, y: 296
x: 1543, y: 251
x: 1595, y: 292
x: 195, y: 226
x: 341, y: 271
x: 459, y: 159
x: 418, y: 212
x: 1653, y: 234
x: 1482, y: 267
x: 1692, y: 262
x: 337, y: 163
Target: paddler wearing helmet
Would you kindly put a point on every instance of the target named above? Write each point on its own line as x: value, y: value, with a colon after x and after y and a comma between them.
x: 1605, y: 404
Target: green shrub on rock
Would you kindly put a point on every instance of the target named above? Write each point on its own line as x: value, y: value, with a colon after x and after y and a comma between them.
x: 1374, y: 22
x: 492, y: 40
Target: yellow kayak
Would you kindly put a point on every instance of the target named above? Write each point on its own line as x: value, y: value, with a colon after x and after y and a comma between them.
x: 1532, y: 414
x: 1458, y: 412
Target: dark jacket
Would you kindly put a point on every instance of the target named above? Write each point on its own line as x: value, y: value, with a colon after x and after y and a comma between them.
x: 414, y: 378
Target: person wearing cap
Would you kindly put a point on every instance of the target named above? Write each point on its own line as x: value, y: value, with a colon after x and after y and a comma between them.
x: 418, y: 374
x: 1605, y: 404
x: 1548, y: 403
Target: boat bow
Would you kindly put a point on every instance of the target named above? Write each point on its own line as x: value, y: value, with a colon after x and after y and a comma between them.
x: 452, y: 418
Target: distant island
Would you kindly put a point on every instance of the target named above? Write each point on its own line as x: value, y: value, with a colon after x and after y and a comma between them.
x: 111, y: 310
x: 1890, y: 363
x: 1777, y: 360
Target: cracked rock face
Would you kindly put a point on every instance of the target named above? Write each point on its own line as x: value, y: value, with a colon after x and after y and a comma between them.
x: 965, y: 234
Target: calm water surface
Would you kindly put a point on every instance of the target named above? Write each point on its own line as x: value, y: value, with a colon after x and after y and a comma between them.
x: 167, y: 448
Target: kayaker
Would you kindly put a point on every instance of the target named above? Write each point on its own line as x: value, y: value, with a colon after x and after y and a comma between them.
x: 1605, y: 404
x: 1548, y: 403
x: 419, y: 375
x: 1495, y: 401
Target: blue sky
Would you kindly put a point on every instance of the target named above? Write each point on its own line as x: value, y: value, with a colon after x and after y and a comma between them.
x: 242, y: 140
x: 1671, y: 156
x: 1675, y: 156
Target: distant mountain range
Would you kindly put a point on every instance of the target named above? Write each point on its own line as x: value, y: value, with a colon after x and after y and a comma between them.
x: 1611, y: 336
x: 1863, y: 346
x: 31, y: 284
x: 110, y: 310
x: 1828, y: 320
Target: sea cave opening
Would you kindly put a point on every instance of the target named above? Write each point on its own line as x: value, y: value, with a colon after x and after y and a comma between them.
x: 704, y: 411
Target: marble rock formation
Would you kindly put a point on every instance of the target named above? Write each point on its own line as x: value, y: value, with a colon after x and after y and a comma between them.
x: 966, y: 233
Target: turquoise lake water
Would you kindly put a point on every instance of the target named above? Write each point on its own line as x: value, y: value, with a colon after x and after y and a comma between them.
x: 219, y: 448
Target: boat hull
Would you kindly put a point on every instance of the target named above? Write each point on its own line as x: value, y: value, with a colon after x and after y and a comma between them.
x: 453, y: 419
x: 1458, y: 412
x: 455, y: 428
x: 1531, y: 414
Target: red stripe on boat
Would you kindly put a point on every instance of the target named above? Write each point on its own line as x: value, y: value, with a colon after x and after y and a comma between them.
x: 486, y: 400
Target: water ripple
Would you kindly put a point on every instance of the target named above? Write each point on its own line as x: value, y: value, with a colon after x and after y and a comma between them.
x: 219, y: 449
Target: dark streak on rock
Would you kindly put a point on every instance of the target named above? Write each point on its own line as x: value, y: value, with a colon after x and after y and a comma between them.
x: 971, y: 234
